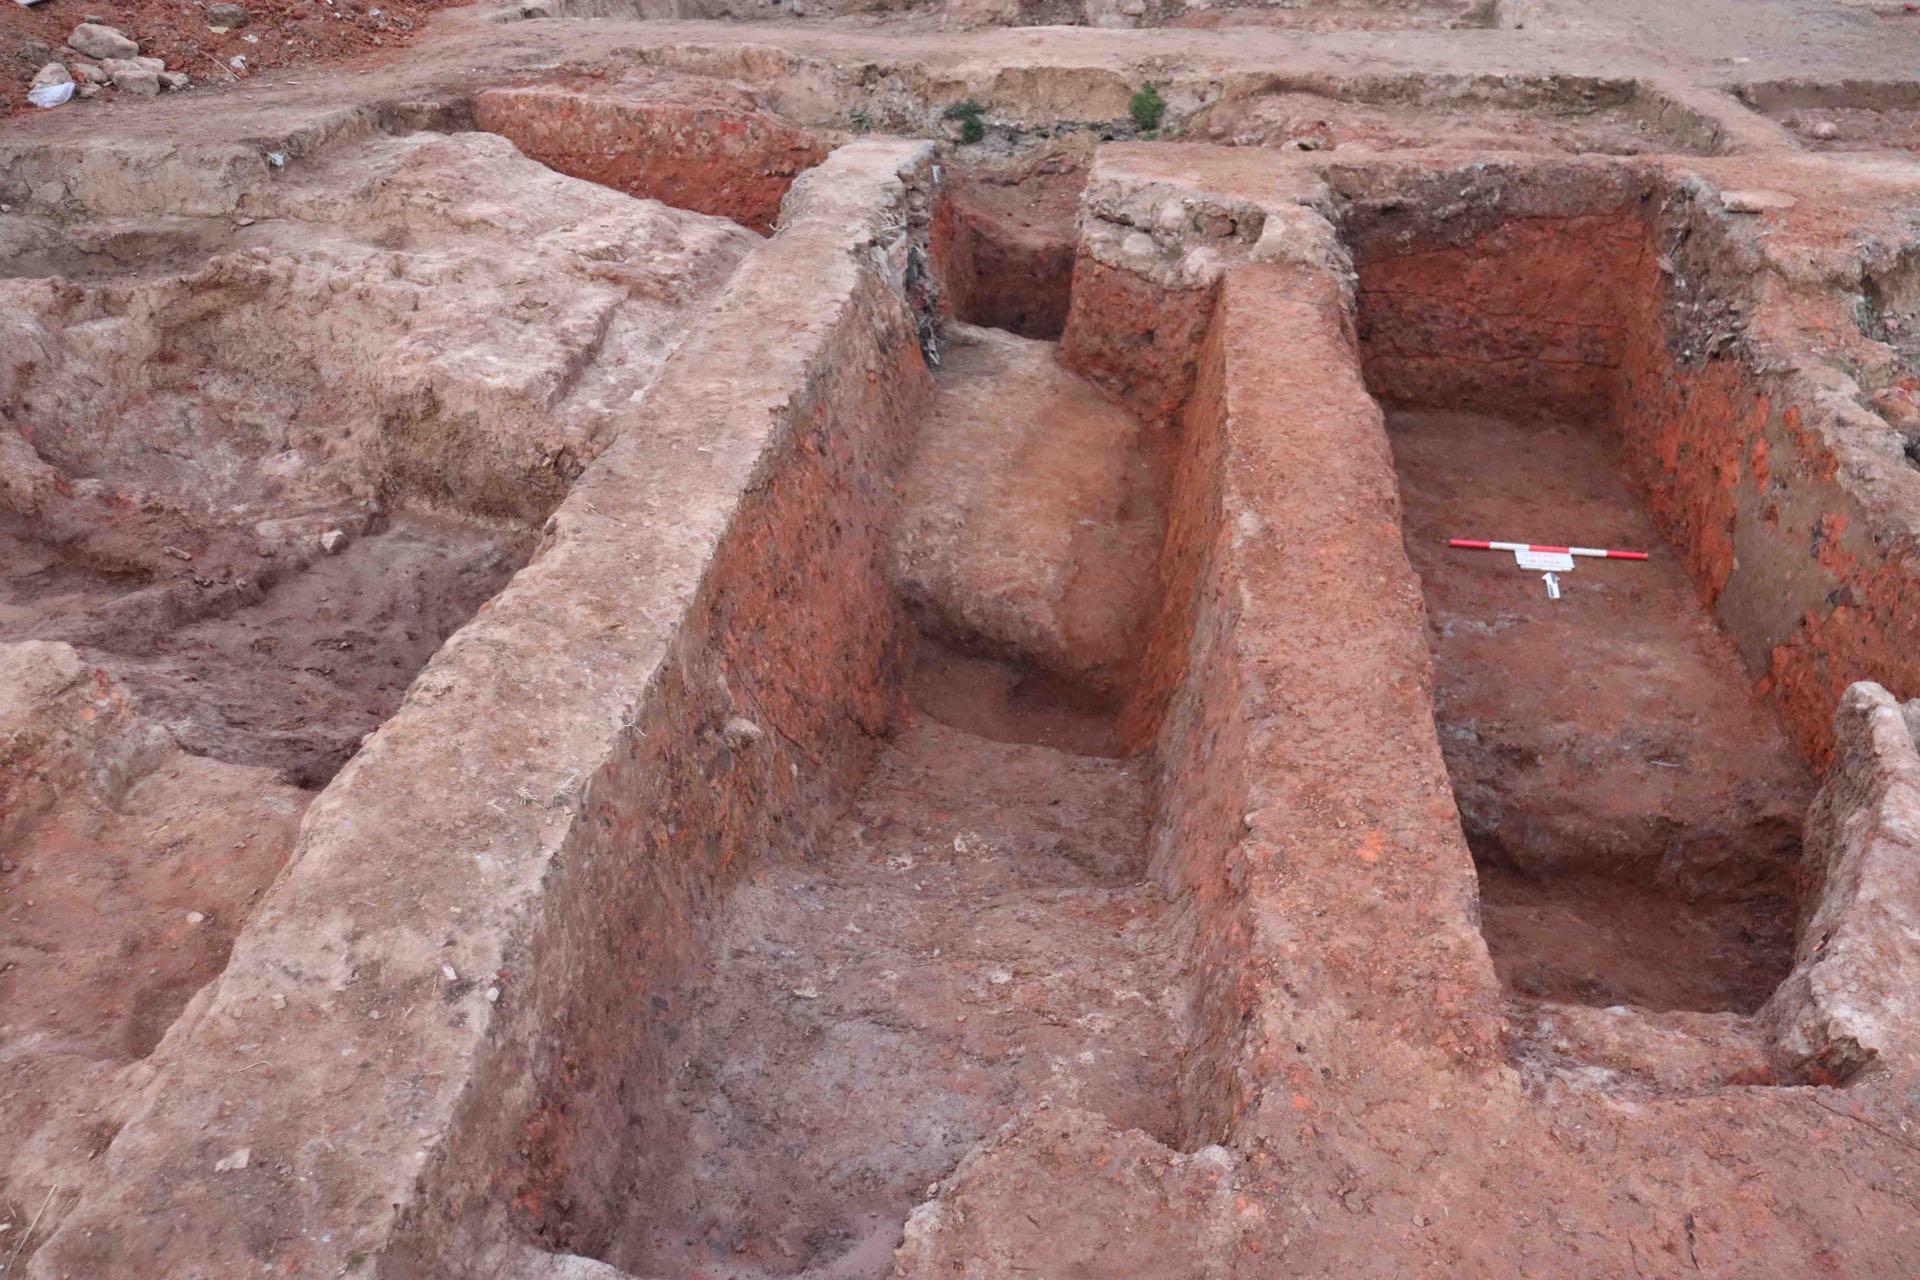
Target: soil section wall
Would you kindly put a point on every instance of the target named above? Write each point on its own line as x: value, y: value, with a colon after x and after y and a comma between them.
x: 721, y: 155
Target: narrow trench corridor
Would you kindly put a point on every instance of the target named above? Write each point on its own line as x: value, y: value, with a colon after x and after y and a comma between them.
x: 1632, y: 807
x: 975, y: 939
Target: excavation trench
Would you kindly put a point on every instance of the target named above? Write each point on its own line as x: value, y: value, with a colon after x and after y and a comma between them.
x: 973, y: 938
x: 888, y: 771
x: 1632, y: 804
x: 245, y: 496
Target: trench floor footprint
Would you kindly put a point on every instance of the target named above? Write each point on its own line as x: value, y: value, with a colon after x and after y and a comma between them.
x: 975, y: 940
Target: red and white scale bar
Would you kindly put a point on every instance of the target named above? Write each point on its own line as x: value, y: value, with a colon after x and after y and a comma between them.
x: 1598, y: 553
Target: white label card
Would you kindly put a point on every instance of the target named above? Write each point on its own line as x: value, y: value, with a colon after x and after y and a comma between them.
x: 1551, y: 561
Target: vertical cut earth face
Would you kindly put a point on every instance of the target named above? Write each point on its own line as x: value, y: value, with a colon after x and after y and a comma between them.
x: 700, y: 145
x: 1633, y: 806
x: 1004, y: 242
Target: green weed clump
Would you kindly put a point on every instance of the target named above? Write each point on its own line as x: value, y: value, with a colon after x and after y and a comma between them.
x: 968, y: 114
x: 1147, y: 107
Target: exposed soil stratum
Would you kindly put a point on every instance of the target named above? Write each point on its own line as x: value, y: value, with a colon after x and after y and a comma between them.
x: 700, y: 640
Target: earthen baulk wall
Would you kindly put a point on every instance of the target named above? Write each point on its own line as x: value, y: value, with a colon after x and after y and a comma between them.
x: 1347, y: 1022
x: 643, y: 712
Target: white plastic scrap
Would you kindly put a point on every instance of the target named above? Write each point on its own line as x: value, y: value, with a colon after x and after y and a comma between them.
x: 51, y: 95
x: 278, y: 159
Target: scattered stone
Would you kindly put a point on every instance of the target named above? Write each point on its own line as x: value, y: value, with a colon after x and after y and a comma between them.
x: 806, y: 993
x: 227, y: 17
x: 493, y: 995
x: 1755, y: 201
x: 332, y: 541
x: 33, y: 53
x: 196, y: 917
x: 99, y: 41
x: 131, y: 77
x: 52, y: 73
x: 174, y: 80
x: 87, y: 73
x: 741, y: 733
x: 7, y: 864
x: 279, y: 1001
x: 1826, y: 131
x: 87, y: 90
x: 238, y: 1160
x: 536, y: 9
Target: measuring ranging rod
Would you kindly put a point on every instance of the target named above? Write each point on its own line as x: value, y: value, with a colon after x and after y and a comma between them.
x: 1554, y: 560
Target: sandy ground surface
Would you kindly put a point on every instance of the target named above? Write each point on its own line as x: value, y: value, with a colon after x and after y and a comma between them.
x: 1713, y: 42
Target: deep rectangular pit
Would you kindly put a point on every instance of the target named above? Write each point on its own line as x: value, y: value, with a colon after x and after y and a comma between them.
x: 1004, y: 241
x: 1632, y: 804
x: 971, y: 933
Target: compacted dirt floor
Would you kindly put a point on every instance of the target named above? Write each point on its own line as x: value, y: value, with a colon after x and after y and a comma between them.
x: 1632, y: 806
x: 294, y: 681
x: 974, y: 941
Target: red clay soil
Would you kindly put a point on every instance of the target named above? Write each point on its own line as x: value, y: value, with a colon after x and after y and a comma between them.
x: 1612, y: 732
x: 281, y: 33
x: 698, y: 144
x: 1009, y: 701
x: 1604, y: 941
x: 1030, y: 513
x: 1565, y: 316
x: 1134, y: 338
x: 1004, y: 240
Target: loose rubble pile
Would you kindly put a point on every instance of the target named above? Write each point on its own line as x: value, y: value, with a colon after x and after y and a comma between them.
x: 102, y: 57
